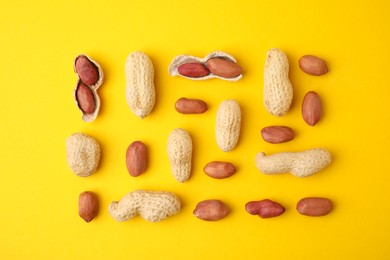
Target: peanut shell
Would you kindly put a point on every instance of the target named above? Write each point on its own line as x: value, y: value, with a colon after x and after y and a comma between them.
x: 82, y: 154
x: 300, y: 164
x: 278, y: 91
x: 90, y: 114
x: 140, y: 91
x: 153, y: 206
x: 180, y: 154
x: 185, y: 59
x: 228, y: 125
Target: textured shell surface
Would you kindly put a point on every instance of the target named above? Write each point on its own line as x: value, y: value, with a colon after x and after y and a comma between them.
x: 228, y: 125
x: 153, y: 206
x: 82, y: 154
x: 180, y: 154
x: 183, y: 59
x: 140, y: 91
x: 300, y: 164
x: 278, y: 91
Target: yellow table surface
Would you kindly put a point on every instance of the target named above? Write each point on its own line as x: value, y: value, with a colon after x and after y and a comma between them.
x: 39, y: 193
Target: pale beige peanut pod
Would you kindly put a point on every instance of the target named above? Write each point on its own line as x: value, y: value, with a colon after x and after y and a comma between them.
x: 152, y: 206
x: 300, y: 164
x: 82, y: 154
x: 278, y: 91
x: 140, y: 92
x: 180, y: 154
x: 228, y: 125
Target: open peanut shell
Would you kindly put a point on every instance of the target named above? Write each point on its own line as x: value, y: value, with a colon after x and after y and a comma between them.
x: 85, y: 92
x: 183, y: 59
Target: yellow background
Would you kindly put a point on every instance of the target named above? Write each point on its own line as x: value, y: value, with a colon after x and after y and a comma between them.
x: 39, y: 193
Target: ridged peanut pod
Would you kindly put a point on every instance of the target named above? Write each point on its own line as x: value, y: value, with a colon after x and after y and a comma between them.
x: 153, y: 206
x: 278, y: 91
x: 228, y: 125
x: 140, y: 92
x: 180, y: 154
x: 300, y: 164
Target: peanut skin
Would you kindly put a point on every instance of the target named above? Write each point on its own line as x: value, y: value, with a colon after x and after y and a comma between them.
x: 136, y: 158
x: 85, y: 99
x: 314, y: 206
x: 87, y: 71
x: 264, y: 208
x: 224, y: 68
x: 193, y: 70
x: 211, y: 210
x: 277, y: 134
x: 190, y: 106
x: 311, y: 108
x: 313, y: 65
x: 219, y: 170
x: 88, y: 205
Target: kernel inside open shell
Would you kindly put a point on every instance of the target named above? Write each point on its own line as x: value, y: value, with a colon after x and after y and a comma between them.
x: 183, y: 59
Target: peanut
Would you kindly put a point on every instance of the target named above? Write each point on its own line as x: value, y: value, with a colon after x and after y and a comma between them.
x: 136, y: 158
x: 277, y: 134
x: 219, y: 170
x: 140, y: 92
x: 180, y: 154
x: 314, y: 206
x: 313, y: 65
x: 88, y: 205
x: 278, y: 91
x: 193, y: 70
x: 190, y: 106
x: 223, y: 67
x: 264, y: 208
x: 90, y: 77
x: 153, y: 206
x: 87, y: 70
x: 300, y: 164
x: 82, y: 154
x: 85, y: 99
x: 211, y: 210
x: 311, y: 108
x: 228, y: 125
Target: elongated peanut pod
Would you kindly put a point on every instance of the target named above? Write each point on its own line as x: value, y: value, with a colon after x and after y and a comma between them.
x: 153, y: 206
x: 278, y: 91
x: 180, y: 154
x: 140, y: 92
x: 228, y: 125
x: 300, y: 164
